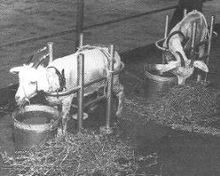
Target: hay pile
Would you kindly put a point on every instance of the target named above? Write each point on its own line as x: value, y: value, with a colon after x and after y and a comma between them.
x: 186, y: 105
x: 81, y: 154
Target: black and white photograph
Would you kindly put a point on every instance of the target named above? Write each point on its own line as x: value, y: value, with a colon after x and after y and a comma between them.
x: 109, y: 87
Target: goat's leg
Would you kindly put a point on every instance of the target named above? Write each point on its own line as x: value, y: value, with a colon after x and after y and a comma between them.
x: 181, y: 80
x: 201, y: 54
x: 118, y: 90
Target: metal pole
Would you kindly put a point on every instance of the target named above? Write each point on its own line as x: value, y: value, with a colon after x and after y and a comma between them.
x: 109, y: 89
x: 193, y: 40
x: 184, y: 12
x: 50, y: 51
x: 81, y: 40
x: 192, y: 50
x: 209, y: 43
x: 80, y: 93
x: 79, y: 21
x: 165, y: 33
x: 166, y: 27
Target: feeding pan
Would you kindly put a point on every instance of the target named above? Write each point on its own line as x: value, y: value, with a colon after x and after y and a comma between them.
x: 156, y: 84
x: 34, y: 125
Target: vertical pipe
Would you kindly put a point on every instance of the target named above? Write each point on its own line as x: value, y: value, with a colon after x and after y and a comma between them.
x: 109, y: 89
x: 165, y: 33
x: 209, y: 43
x: 80, y: 93
x: 79, y: 21
x: 80, y: 40
x: 50, y: 51
x: 184, y: 12
x: 166, y: 27
x: 193, y: 40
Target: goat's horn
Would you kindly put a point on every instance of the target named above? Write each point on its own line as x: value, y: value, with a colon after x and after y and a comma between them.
x: 40, y: 61
x: 171, y: 35
x: 30, y: 59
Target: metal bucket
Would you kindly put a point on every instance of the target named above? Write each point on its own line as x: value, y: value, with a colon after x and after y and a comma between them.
x: 156, y: 85
x: 34, y: 125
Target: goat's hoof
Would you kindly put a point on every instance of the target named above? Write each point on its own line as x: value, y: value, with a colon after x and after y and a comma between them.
x: 205, y: 83
x: 60, y: 132
x: 119, y: 114
x: 106, y: 130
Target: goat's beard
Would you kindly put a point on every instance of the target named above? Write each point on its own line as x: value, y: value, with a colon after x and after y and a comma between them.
x: 23, y: 102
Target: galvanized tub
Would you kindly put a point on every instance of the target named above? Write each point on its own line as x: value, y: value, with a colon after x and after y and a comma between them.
x: 155, y: 84
x: 34, y: 125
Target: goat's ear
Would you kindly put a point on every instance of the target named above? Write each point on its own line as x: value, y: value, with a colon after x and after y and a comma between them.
x: 167, y: 67
x: 63, y: 73
x: 15, y: 70
x: 201, y: 65
x: 29, y: 65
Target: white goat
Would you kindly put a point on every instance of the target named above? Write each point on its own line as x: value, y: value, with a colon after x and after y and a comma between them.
x: 179, y: 42
x: 62, y: 73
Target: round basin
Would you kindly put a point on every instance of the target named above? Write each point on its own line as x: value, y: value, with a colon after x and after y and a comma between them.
x: 34, y: 125
x: 156, y: 84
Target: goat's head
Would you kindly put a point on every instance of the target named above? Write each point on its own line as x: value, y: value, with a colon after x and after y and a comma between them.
x: 181, y: 68
x: 31, y: 80
x: 183, y: 73
x: 186, y: 70
x: 179, y: 42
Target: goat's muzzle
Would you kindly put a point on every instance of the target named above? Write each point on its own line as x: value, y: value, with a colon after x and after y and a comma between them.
x: 21, y: 102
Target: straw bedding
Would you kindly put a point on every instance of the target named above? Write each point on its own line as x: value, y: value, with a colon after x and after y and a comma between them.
x: 189, y: 104
x: 81, y: 154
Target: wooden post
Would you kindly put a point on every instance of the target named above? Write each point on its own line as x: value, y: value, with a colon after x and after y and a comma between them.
x: 50, y: 51
x: 209, y: 44
x: 79, y: 21
x: 80, y: 93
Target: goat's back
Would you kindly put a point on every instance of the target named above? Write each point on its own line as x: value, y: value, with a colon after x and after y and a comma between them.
x: 95, y: 65
x: 186, y: 26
